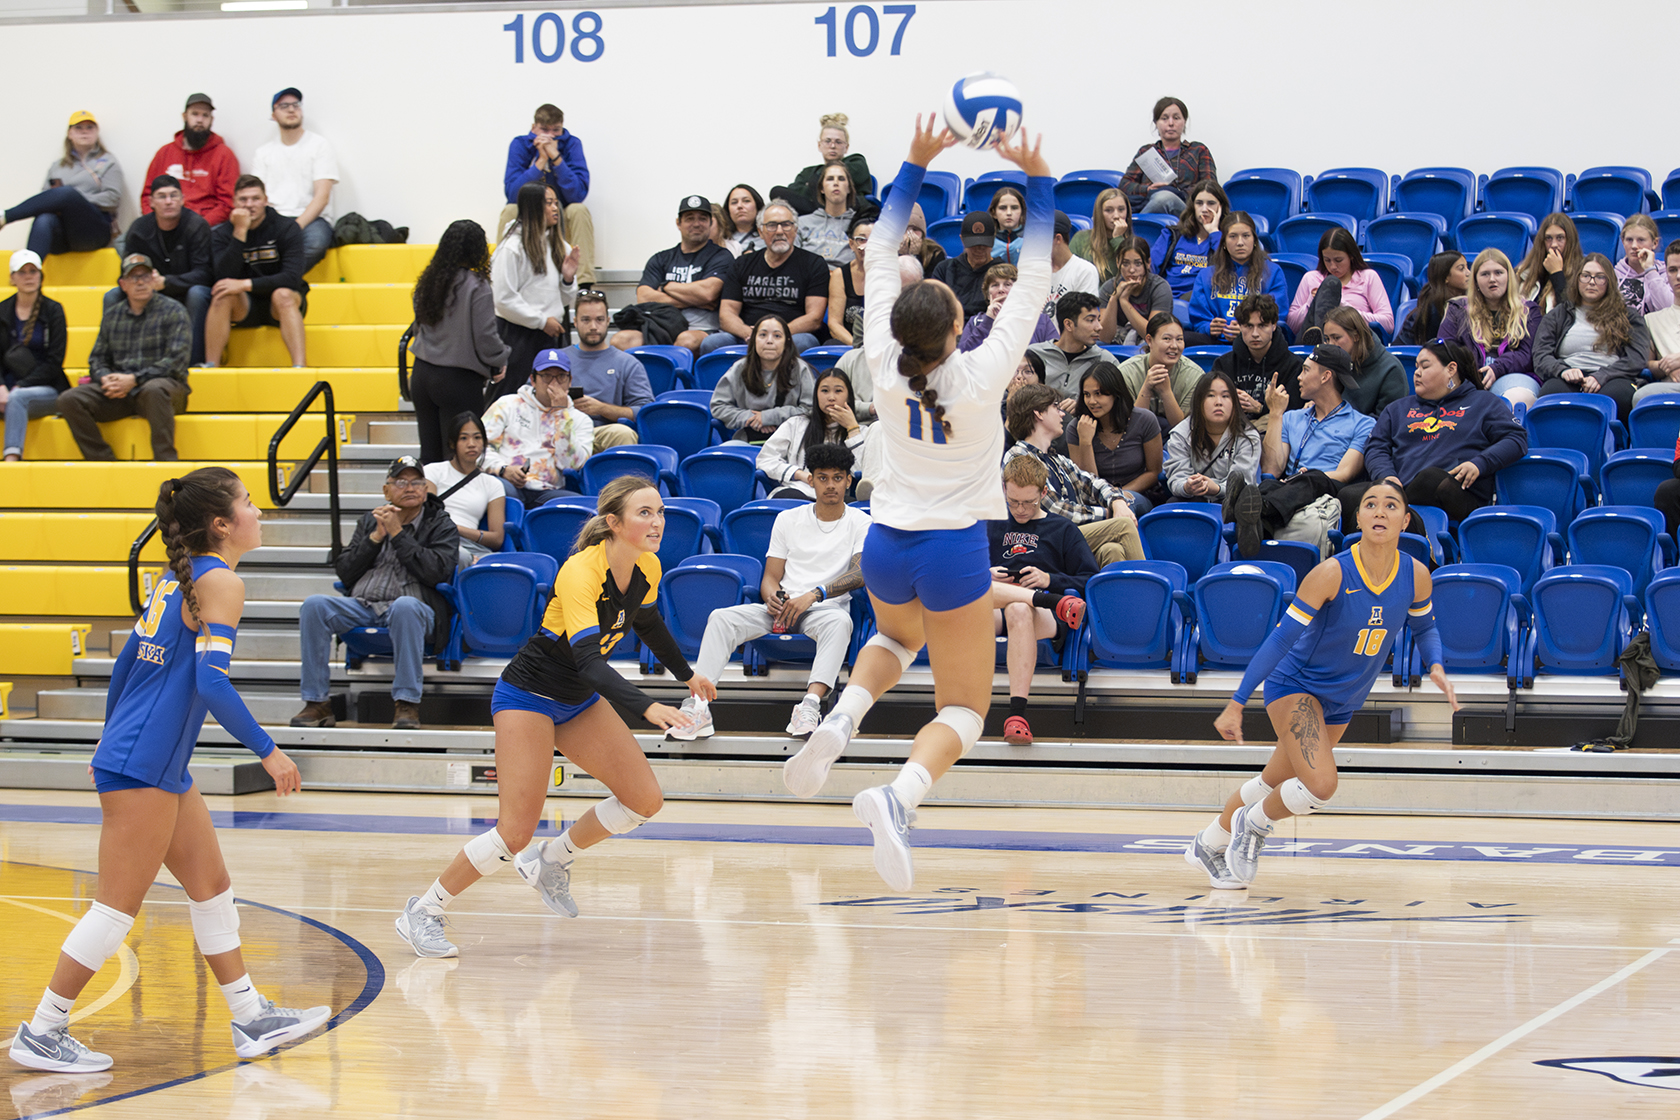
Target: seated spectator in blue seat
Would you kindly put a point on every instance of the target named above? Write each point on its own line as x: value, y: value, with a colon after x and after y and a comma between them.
x: 1009, y: 213
x: 1191, y: 163
x: 1258, y: 357
x: 1132, y: 296
x: 1068, y: 273
x: 1240, y: 268
x: 1213, y: 447
x: 1111, y: 227
x: 965, y: 273
x: 765, y: 389
x: 300, y: 171
x: 804, y: 194
x: 608, y: 385
x: 1664, y: 326
x: 845, y: 287
x: 1446, y: 278
x: 458, y: 353
x: 1161, y: 378
x: 810, y: 572
x: 1498, y: 327
x: 178, y: 243
x: 551, y: 156
x: 469, y: 494
x: 534, y: 436
x: 918, y: 244
x: 32, y: 363
x: 1593, y: 342
x: 1182, y: 253
x: 784, y: 456
x: 1639, y: 274
x: 824, y: 230
x: 782, y: 280
x: 258, y: 255
x: 1381, y: 377
x: 399, y: 554
x: 1340, y: 280
x: 1074, y: 352
x: 1552, y: 262
x: 137, y: 367
x: 1000, y: 280
x: 1110, y: 437
x: 737, y: 221
x: 1102, y: 513
x: 687, y: 276
x: 76, y: 211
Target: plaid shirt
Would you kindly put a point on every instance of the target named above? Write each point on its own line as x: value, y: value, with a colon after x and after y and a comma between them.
x: 155, y: 343
x: 1193, y: 162
x: 1080, y: 497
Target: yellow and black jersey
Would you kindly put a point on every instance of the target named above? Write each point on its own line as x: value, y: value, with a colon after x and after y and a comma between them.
x: 586, y: 618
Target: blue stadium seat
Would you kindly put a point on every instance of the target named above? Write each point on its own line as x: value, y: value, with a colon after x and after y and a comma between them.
x: 1418, y: 547
x: 1205, y: 356
x: 1439, y: 533
x: 1631, y: 477
x: 701, y: 397
x: 1417, y: 237
x: 685, y: 535
x: 746, y: 531
x: 710, y: 368
x: 1077, y: 191
x: 1655, y: 422
x: 1614, y: 189
x: 497, y: 605
x: 1121, y: 353
x: 823, y: 358
x: 1150, y: 227
x: 1668, y: 228
x: 1662, y: 619
x: 1671, y: 190
x: 513, y: 525
x: 1301, y: 233
x: 1181, y: 310
x: 711, y: 517
x: 1300, y: 557
x: 940, y: 193
x: 1522, y: 538
x: 688, y: 595
x: 729, y: 479
x: 668, y: 367
x: 1396, y: 272
x: 979, y: 191
x: 1508, y: 232
x: 1600, y: 232
x: 1482, y: 618
x: 1137, y: 616
x: 1447, y: 191
x: 551, y: 529
x: 771, y: 649
x: 1272, y: 193
x: 1626, y: 537
x: 1535, y: 191
x: 1553, y: 477
x: 1402, y: 312
x: 1189, y: 534
x: 1584, y: 422
x: 1584, y: 616
x: 1359, y: 191
x: 682, y: 425
x: 1294, y: 266
x: 1237, y: 607
x: 1407, y: 356
x: 947, y: 234
x: 643, y: 459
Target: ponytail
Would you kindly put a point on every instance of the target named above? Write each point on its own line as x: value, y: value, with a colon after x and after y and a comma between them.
x: 185, y: 508
x: 914, y: 367
x: 921, y: 322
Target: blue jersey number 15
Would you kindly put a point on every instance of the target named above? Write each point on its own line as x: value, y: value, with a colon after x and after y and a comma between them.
x: 914, y: 404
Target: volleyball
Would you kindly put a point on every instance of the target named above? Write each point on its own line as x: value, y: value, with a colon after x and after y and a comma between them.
x: 983, y: 109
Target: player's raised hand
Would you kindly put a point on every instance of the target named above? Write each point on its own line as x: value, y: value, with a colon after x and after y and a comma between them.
x: 926, y: 143
x: 1229, y: 723
x: 1439, y: 675
x: 1030, y: 160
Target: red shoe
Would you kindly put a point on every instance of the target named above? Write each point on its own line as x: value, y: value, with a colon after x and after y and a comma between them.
x: 1071, y: 610
x: 1015, y: 729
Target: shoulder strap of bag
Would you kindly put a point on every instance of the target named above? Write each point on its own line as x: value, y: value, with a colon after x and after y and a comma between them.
x: 474, y: 473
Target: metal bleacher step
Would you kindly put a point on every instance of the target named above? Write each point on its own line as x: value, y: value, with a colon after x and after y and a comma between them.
x: 292, y: 586
x: 360, y: 477
x: 380, y: 453
x: 89, y: 703
x: 384, y: 432
x: 300, y: 532
x: 290, y: 556
x: 253, y: 643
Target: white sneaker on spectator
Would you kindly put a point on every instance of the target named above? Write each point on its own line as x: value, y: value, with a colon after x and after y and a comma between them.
x: 701, y: 728
x: 806, y: 715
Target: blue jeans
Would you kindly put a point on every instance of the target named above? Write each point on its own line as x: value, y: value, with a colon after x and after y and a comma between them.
x: 1140, y: 504
x: 801, y: 342
x: 198, y: 307
x: 1163, y: 202
x: 317, y: 239
x: 65, y: 222
x: 23, y: 406
x: 323, y: 616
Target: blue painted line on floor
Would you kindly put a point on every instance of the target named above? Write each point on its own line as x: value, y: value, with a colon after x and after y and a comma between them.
x: 972, y: 839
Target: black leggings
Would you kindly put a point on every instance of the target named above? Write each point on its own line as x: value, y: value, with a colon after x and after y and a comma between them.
x: 526, y: 343
x: 1432, y: 487
x: 440, y: 394
x: 1667, y: 499
x: 1618, y: 389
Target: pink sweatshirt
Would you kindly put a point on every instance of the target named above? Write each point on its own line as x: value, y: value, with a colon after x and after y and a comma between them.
x: 1644, y: 292
x: 1363, y: 291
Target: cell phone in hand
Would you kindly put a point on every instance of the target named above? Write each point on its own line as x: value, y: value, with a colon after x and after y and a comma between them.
x: 576, y: 393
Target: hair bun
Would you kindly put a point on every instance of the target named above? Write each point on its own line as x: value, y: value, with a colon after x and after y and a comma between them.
x: 835, y: 120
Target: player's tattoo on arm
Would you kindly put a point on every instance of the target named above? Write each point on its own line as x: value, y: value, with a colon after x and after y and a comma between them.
x: 849, y: 580
x: 1303, y: 724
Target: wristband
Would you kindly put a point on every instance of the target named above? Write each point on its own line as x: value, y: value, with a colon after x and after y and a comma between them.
x: 822, y: 593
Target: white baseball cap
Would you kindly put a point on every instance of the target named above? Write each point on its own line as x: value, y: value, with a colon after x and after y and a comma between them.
x: 21, y: 257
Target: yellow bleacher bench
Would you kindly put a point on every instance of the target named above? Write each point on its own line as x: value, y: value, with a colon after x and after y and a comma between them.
x: 259, y: 389
x: 74, y: 537
x: 326, y: 270
x: 383, y: 264
x: 5, y: 698
x: 330, y: 305
x: 198, y: 437
x: 353, y: 345
x: 134, y: 485
x: 41, y: 649
x: 98, y: 267
x: 81, y: 591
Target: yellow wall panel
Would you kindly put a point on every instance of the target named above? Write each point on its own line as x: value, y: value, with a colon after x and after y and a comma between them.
x: 74, y: 537
x: 71, y: 485
x: 279, y: 390
x: 78, y: 591
x: 40, y: 649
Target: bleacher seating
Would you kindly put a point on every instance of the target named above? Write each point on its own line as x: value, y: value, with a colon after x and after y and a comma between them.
x: 1359, y: 191
x: 1272, y: 193
x: 1535, y: 191
x: 1447, y: 191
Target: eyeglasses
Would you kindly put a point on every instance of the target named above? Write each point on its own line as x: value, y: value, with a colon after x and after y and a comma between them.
x: 860, y: 241
x: 1021, y: 503
x: 288, y: 104
x: 1594, y: 278
x: 780, y: 225
x: 550, y: 374
x: 406, y: 483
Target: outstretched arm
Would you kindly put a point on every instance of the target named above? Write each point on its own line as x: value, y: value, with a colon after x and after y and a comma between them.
x: 1321, y: 583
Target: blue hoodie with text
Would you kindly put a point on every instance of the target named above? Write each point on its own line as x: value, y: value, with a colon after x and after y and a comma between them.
x: 1468, y: 424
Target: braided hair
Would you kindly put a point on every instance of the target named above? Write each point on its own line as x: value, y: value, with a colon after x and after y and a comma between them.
x: 185, y: 508
x: 921, y: 322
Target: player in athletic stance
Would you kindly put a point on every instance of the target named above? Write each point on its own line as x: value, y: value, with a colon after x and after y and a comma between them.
x: 172, y: 670
x: 1318, y: 666
x: 546, y: 701
x: 926, y: 561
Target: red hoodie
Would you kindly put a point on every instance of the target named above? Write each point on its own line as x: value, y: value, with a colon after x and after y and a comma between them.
x: 207, y: 177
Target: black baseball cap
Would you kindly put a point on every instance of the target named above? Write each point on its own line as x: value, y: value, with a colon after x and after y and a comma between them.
x: 162, y: 181
x: 696, y: 203
x: 1337, y: 361
x: 199, y: 99
x: 1064, y: 226
x: 293, y: 90
x: 404, y: 463
x: 978, y: 228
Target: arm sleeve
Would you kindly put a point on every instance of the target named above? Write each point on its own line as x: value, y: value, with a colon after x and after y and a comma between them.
x: 99, y: 358
x: 724, y: 408
x: 1428, y: 639
x: 650, y: 628
x: 1547, y: 364
x: 352, y: 564
x: 508, y: 272
x: 1179, y: 467
x: 120, y: 671
x: 1303, y: 297
x: 289, y: 244
x: 1078, y: 563
x: 1160, y: 295
x: 774, y: 458
x: 1379, y: 456
x: 177, y: 345
x: 1635, y: 356
x: 432, y: 561
x: 1244, y: 461
x: 1377, y: 296
x: 58, y: 337
x: 572, y: 176
x: 1000, y: 354
x: 1201, y: 302
x: 1507, y: 439
x: 110, y: 192
x: 1289, y: 629
x: 215, y: 657
x: 805, y: 390
x: 488, y: 346
x: 1135, y: 184
x: 226, y: 259
x: 495, y: 426
x: 518, y: 171
x: 200, y: 270
x: 636, y: 389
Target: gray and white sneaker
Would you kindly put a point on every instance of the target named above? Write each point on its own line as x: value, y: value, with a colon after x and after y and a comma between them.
x: 55, y: 1051
x: 805, y: 773
x: 1242, y: 858
x: 553, y: 881
x: 423, y: 930
x: 701, y: 728
x: 806, y: 715
x: 1198, y: 854
x: 276, y: 1026
x: 890, y: 823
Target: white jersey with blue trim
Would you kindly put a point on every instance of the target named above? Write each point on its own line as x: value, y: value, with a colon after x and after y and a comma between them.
x: 928, y: 480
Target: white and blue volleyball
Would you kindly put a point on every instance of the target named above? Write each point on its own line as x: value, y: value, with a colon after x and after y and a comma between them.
x: 983, y: 109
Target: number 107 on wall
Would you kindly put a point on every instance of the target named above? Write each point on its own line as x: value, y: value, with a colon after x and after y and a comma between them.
x: 862, y: 28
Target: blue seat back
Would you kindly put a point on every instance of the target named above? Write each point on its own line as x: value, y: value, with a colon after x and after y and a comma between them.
x: 1132, y: 619
x: 544, y: 566
x: 939, y: 194
x: 1396, y: 271
x: 684, y: 426
x: 1579, y: 421
x: 1581, y: 622
x: 1301, y: 233
x: 1535, y: 191
x: 746, y: 531
x: 749, y: 568
x: 1623, y: 537
x: 1516, y: 537
x: 1668, y: 226
x: 690, y: 592
x: 947, y: 234
x: 685, y: 535
x: 552, y: 529
x: 1295, y: 266
x: 1671, y: 190
x: 1205, y: 356
x: 1662, y: 618
x: 701, y: 397
x: 710, y: 368
x: 497, y: 606
x: 1077, y: 191
x: 1410, y: 543
x: 1600, y: 232
x: 1272, y: 193
x: 1447, y: 191
x: 1631, y: 478
x: 513, y: 525
x: 1403, y: 312
x: 1189, y: 535
x: 615, y: 462
x: 1237, y: 607
x: 1510, y: 233
x: 1407, y: 356
x: 1150, y: 227
x: 723, y: 476
x: 1359, y: 191
x: 711, y: 517
x: 664, y: 371
x: 1417, y: 237
x: 979, y: 192
x: 1612, y: 188
x: 1655, y: 423
x: 1300, y: 557
x: 1551, y: 477
x: 1474, y: 615
x: 823, y: 358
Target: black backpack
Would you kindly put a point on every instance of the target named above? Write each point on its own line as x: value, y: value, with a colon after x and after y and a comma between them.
x: 353, y: 229
x: 660, y: 323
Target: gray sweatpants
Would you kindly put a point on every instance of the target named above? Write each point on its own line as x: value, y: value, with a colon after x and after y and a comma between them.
x: 829, y: 625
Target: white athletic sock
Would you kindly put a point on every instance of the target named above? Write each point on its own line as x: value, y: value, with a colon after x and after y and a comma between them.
x: 1258, y: 820
x: 243, y: 999
x: 1216, y: 836
x: 53, y: 1013
x: 912, y: 784
x: 561, y: 850
x: 436, y: 900
x: 812, y: 700
x: 855, y: 701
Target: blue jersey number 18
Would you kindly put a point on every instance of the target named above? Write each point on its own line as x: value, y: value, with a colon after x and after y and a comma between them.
x: 914, y: 404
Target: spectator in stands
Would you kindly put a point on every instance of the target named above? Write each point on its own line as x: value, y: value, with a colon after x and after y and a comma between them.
x: 1311, y: 451
x: 457, y: 351
x: 1161, y: 378
x: 471, y: 496
x: 834, y: 143
x: 1639, y: 275
x: 1444, y: 443
x: 178, y: 243
x: 205, y: 166
x: 783, y: 280
x: 918, y: 244
x: 1446, y: 278
x: 1593, y: 342
x: 551, y: 156
x: 1552, y: 262
x: 845, y: 287
x: 1068, y: 273
x: 300, y: 170
x: 824, y: 230
x: 1181, y: 254
x: 613, y: 385
x: 76, y: 211
x: 1240, y: 268
x: 1111, y: 226
x: 32, y: 355
x: 400, y: 552
x: 1109, y: 437
x: 1191, y: 163
x: 765, y: 389
x: 533, y: 275
x: 258, y: 259
x: 1340, y: 280
x: 1074, y: 352
x: 1009, y: 213
x: 785, y: 456
x: 811, y: 568
x: 687, y: 276
x: 1000, y: 279
x: 1213, y: 446
x: 1664, y: 326
x: 534, y: 436
x: 1101, y: 511
x: 1133, y: 295
x: 1258, y: 357
x: 739, y: 231
x: 965, y: 273
x: 1040, y: 563
x: 852, y: 362
x: 137, y: 367
x: 1382, y: 379
x: 1498, y: 327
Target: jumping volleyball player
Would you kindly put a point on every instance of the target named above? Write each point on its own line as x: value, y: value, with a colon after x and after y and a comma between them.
x: 1318, y: 666
x: 925, y: 560
x: 173, y: 669
x: 548, y: 700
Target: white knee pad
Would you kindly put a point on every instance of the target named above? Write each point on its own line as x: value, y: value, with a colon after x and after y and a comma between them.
x: 881, y: 641
x: 98, y: 934
x: 966, y: 722
x: 1255, y: 790
x: 215, y: 923
x: 1299, y: 800
x: 616, y: 818
x: 487, y: 852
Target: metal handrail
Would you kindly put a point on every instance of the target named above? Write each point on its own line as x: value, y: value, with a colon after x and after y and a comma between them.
x: 402, y: 362
x: 134, y: 550
x: 328, y: 446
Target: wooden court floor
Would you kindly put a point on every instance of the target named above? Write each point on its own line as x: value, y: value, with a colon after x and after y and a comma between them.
x: 743, y: 961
